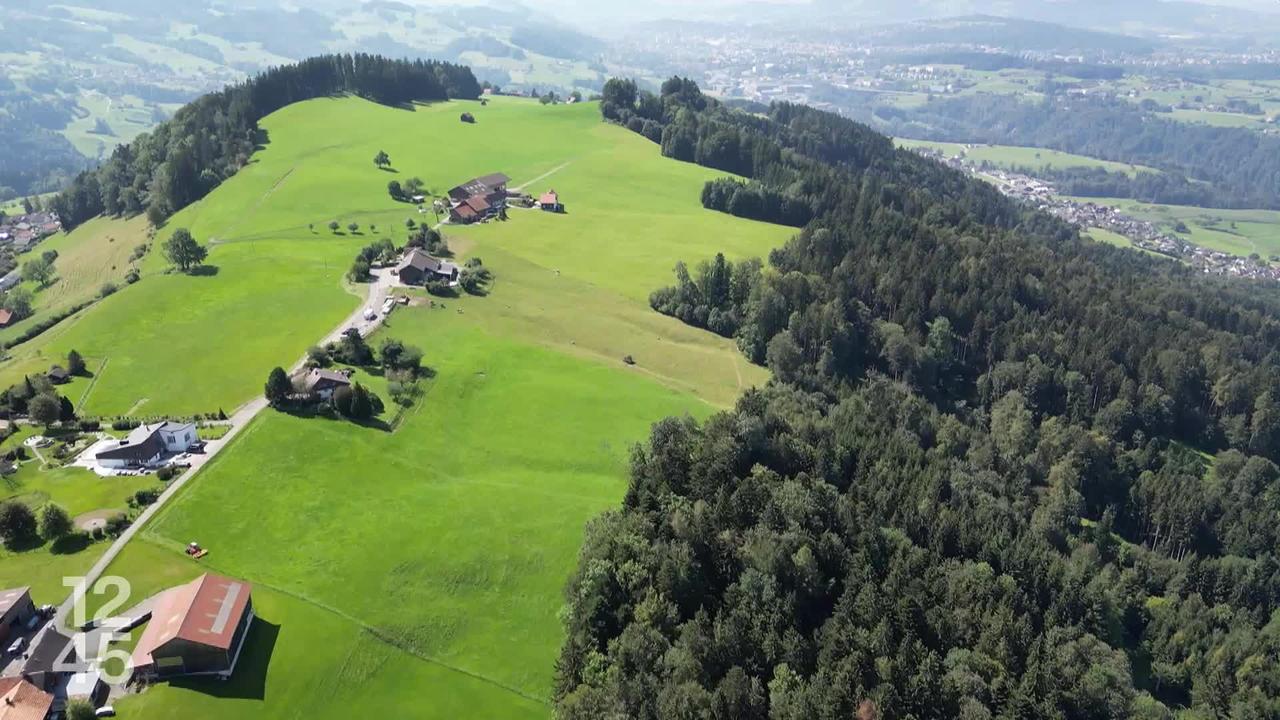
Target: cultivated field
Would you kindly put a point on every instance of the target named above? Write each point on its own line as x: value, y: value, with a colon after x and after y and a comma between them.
x: 418, y: 571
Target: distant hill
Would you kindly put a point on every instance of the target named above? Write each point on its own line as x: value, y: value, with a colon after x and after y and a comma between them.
x: 1012, y: 34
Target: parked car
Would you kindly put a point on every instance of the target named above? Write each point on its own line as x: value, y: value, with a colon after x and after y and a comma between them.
x: 16, y: 646
x: 105, y: 711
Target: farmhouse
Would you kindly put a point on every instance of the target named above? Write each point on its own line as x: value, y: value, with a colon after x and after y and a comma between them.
x: 58, y: 375
x: 20, y: 700
x: 147, y: 444
x: 478, y: 198
x: 419, y: 268
x: 323, y: 383
x: 16, y: 609
x: 195, y: 629
x: 550, y: 201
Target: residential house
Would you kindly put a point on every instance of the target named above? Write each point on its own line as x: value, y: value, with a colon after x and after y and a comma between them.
x: 323, y: 383
x: 478, y: 198
x: 6, y: 318
x: 50, y: 659
x: 20, y: 700
x: 147, y: 444
x: 419, y: 268
x: 550, y: 201
x: 196, y: 629
x: 58, y: 375
x: 16, y: 609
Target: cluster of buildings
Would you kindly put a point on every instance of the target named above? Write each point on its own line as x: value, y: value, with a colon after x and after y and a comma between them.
x: 1141, y: 233
x: 20, y: 232
x: 198, y: 628
x: 478, y: 199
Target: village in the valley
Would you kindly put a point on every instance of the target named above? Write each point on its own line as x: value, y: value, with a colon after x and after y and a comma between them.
x: 1085, y: 215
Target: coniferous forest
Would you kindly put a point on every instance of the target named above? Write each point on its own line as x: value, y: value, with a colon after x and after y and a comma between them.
x: 1000, y: 472
x: 208, y: 140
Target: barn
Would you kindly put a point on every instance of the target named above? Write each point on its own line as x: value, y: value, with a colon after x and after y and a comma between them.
x: 195, y: 629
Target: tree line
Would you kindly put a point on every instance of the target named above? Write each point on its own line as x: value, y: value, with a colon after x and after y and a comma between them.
x: 1000, y: 471
x: 208, y: 140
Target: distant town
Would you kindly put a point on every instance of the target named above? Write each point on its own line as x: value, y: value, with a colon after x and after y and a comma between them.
x: 1086, y: 215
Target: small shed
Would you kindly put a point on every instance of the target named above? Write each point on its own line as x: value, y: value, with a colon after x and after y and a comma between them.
x: 550, y: 201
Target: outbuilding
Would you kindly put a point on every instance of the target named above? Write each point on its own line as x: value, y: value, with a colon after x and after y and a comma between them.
x: 16, y: 608
x: 196, y: 629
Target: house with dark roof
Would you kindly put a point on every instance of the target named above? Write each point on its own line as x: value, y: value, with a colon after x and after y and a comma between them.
x: 478, y: 198
x: 419, y: 268
x: 20, y: 700
x: 50, y: 659
x: 16, y: 609
x: 322, y: 383
x: 147, y: 444
x: 195, y: 629
x: 58, y: 375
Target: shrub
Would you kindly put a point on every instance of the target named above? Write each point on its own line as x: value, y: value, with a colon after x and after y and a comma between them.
x: 166, y: 473
x: 90, y: 425
x: 144, y: 497
x: 132, y: 276
x: 117, y: 523
x: 124, y: 424
x: 108, y: 288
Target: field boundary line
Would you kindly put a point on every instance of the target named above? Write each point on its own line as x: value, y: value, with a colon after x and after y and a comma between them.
x: 84, y: 396
x: 544, y: 175
x: 372, y: 630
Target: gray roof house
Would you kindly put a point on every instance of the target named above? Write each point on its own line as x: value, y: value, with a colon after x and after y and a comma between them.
x: 418, y: 267
x: 146, y: 444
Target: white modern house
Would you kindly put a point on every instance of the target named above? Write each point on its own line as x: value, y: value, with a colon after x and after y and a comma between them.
x: 147, y: 444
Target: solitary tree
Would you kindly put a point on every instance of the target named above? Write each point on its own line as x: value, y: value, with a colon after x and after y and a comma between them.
x: 333, y: 226
x: 39, y: 271
x: 182, y: 250
x: 54, y: 521
x: 45, y: 409
x: 17, y: 523
x: 382, y: 159
x: 278, y: 387
x: 75, y: 363
x: 353, y: 226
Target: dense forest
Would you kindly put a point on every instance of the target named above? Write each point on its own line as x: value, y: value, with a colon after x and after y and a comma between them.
x: 36, y: 158
x: 208, y: 140
x: 1000, y: 471
x: 1242, y: 166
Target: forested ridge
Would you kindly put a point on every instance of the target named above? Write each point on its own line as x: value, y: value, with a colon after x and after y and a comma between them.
x: 208, y: 140
x: 1001, y: 471
x: 1240, y: 166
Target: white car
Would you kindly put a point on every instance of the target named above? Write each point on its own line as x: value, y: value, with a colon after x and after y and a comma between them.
x: 105, y: 711
x: 370, y: 314
x: 16, y: 646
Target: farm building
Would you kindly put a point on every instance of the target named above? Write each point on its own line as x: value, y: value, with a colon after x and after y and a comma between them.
x: 20, y: 700
x: 323, y: 383
x: 88, y: 686
x: 195, y: 629
x: 58, y: 375
x: 550, y: 201
x: 478, y: 198
x: 147, y: 444
x: 418, y: 268
x: 16, y: 609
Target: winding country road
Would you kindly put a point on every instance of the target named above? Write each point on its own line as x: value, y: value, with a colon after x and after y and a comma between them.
x: 377, y: 293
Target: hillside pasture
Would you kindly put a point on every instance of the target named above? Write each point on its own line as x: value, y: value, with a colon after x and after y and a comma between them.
x: 1014, y: 156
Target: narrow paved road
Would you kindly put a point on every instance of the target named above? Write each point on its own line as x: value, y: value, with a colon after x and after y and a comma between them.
x: 379, y: 290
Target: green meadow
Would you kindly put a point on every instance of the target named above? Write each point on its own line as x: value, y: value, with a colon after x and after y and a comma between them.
x: 177, y: 344
x: 418, y: 570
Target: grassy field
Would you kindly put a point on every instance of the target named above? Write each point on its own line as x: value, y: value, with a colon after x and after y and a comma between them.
x: 1011, y: 156
x: 180, y: 344
x: 424, y: 567
x: 1239, y: 232
x: 91, y: 256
